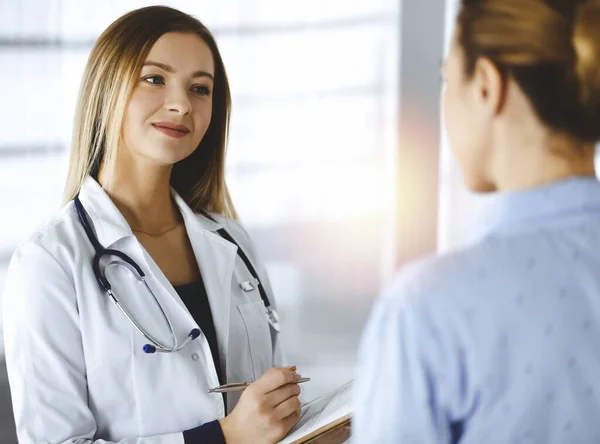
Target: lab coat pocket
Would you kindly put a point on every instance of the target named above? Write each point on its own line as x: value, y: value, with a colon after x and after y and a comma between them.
x: 259, y: 336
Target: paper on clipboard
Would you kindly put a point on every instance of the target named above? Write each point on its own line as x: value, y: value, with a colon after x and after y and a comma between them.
x: 329, y: 409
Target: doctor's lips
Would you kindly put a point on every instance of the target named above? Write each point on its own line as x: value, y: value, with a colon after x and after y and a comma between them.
x: 171, y: 129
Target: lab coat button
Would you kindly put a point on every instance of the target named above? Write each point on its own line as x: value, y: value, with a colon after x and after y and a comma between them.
x: 195, y: 356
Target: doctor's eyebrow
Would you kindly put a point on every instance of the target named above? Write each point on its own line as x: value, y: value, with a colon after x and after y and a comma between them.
x: 170, y: 69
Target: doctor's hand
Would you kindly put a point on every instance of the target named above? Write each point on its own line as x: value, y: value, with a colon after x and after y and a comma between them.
x: 267, y: 409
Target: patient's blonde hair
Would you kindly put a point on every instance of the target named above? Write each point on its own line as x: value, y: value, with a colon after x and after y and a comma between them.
x: 551, y: 48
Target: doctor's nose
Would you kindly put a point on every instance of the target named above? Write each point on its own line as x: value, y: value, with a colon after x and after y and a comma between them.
x: 178, y: 101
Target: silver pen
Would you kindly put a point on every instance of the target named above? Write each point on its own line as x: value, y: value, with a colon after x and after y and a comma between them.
x: 239, y: 386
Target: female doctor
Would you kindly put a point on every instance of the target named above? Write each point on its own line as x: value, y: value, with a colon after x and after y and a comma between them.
x: 144, y: 292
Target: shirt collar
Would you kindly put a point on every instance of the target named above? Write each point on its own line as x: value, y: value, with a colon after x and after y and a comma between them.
x: 109, y: 223
x: 537, y: 207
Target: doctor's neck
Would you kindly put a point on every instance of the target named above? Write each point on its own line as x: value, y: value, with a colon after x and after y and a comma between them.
x: 142, y: 194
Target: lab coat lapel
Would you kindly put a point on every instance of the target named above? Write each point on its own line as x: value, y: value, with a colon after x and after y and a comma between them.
x: 216, y: 261
x: 182, y: 321
x: 214, y: 255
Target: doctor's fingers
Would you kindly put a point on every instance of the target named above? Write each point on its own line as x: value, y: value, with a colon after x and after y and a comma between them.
x: 282, y: 394
x: 288, y: 407
x: 274, y: 378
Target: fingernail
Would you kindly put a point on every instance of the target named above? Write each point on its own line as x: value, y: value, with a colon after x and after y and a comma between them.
x: 292, y: 368
x: 297, y: 376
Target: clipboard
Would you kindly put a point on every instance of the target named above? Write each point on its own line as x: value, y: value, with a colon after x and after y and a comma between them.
x: 324, y: 420
x: 336, y: 432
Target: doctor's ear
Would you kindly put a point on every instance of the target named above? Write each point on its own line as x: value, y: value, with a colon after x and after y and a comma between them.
x: 490, y: 86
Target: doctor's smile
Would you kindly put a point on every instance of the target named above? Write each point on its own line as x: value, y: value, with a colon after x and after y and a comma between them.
x: 171, y: 129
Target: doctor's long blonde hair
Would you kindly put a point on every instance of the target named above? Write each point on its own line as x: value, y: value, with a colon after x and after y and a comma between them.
x: 108, y: 81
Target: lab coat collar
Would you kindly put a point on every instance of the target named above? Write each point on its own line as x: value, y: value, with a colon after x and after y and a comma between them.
x: 215, y: 256
x: 114, y: 226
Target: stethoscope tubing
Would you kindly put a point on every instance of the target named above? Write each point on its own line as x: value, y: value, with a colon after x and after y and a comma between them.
x: 155, y: 345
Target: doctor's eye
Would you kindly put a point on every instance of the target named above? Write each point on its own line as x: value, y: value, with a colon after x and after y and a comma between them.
x: 201, y: 90
x: 154, y: 80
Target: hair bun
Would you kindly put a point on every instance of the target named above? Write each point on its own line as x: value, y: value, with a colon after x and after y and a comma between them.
x: 586, y: 40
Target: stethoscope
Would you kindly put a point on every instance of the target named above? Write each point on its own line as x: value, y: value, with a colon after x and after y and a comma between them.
x: 155, y: 345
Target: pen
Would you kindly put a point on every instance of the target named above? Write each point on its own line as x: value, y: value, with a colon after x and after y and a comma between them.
x: 239, y: 386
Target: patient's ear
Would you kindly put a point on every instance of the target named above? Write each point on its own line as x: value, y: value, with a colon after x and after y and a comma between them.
x: 490, y: 86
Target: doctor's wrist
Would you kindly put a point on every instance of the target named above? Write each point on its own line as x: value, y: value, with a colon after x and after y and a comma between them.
x: 228, y: 431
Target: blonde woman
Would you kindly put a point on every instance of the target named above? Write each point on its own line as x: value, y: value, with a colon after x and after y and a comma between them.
x: 499, y: 342
x: 144, y: 292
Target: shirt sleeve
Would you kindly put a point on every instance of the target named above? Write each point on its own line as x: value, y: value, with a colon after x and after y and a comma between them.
x: 44, y: 355
x: 406, y: 374
x: 209, y: 433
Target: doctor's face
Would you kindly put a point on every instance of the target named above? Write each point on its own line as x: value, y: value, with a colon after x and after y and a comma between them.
x: 171, y: 105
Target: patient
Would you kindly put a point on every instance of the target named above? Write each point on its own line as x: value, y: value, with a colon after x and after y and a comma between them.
x: 500, y: 342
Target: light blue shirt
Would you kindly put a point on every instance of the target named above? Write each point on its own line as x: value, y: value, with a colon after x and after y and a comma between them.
x: 498, y: 342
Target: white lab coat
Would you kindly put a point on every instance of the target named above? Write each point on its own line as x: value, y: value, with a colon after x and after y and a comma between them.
x: 76, y: 367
